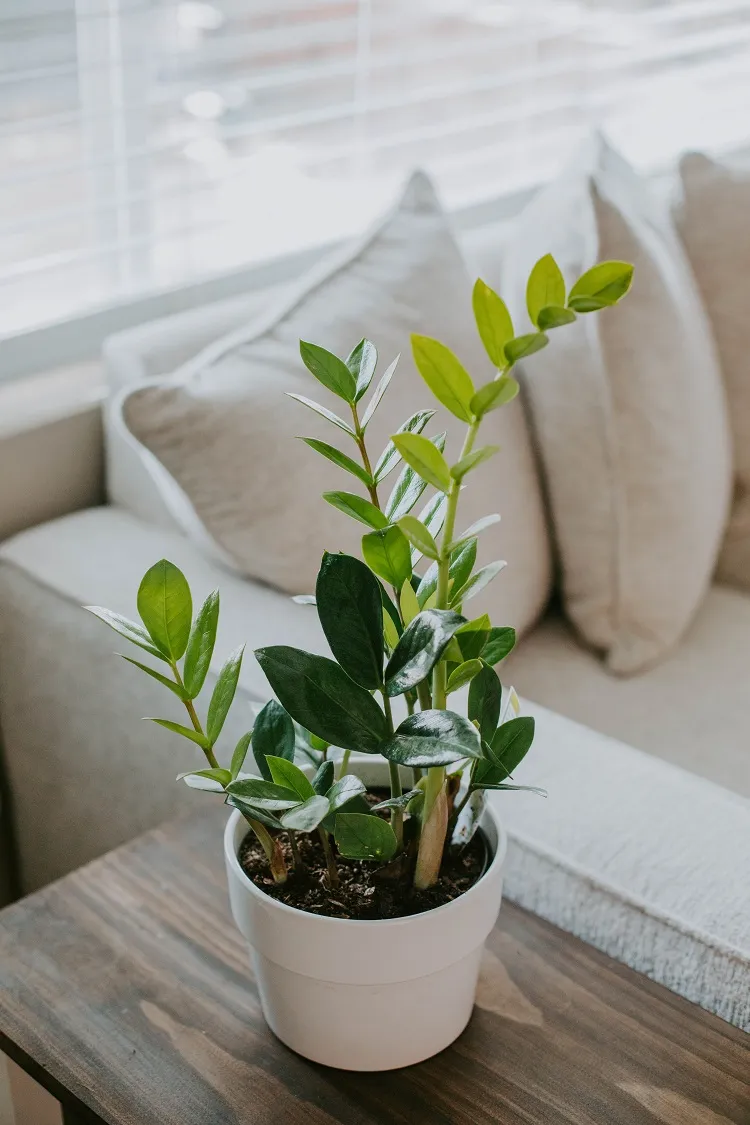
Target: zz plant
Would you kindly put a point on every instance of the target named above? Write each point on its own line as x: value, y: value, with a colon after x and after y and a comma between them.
x: 395, y: 622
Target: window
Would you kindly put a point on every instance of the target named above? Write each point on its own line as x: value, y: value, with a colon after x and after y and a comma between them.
x: 145, y: 144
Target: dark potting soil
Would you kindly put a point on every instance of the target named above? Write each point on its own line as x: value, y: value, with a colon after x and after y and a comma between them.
x: 365, y: 891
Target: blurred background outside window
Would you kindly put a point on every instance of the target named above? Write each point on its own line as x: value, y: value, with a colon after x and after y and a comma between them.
x: 147, y: 144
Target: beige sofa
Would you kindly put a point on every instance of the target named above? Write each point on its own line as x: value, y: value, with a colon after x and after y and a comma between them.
x: 644, y: 854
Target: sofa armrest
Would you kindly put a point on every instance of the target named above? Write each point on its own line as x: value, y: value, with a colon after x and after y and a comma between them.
x: 635, y: 856
x: 51, y: 446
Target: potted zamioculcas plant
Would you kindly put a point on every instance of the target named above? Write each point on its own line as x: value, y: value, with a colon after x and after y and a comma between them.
x: 364, y: 859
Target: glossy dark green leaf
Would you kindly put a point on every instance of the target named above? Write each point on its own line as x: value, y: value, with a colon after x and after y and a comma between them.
x: 362, y: 361
x: 426, y: 460
x: 286, y: 773
x: 546, y: 286
x: 265, y: 794
x: 432, y: 738
x: 476, y: 583
x: 186, y: 732
x: 419, y: 536
x: 380, y: 390
x: 554, y: 317
x: 493, y: 321
x: 252, y: 812
x: 319, y: 695
x: 471, y: 460
x: 324, y: 412
x: 522, y: 346
x: 307, y: 816
x: 273, y: 733
x: 359, y: 836
x: 350, y: 609
x: 344, y: 790
x: 200, y: 646
x: 324, y: 774
x: 444, y: 374
x: 388, y: 554
x: 240, y: 753
x: 485, y: 695
x: 500, y: 642
x: 130, y: 630
x: 357, y: 507
x: 600, y: 287
x: 223, y: 694
x: 512, y: 741
x: 463, y: 674
x: 329, y: 370
x: 390, y: 456
x: 166, y: 608
x: 493, y: 395
x: 218, y: 775
x: 419, y: 649
x: 174, y: 687
x: 473, y: 636
x: 339, y: 458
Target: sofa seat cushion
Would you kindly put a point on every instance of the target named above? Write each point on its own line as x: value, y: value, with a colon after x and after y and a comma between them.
x: 693, y: 709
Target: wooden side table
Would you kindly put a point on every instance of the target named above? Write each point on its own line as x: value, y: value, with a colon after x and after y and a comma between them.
x: 126, y: 992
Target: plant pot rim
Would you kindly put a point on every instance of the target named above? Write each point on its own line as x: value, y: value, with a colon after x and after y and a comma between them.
x: 491, y: 869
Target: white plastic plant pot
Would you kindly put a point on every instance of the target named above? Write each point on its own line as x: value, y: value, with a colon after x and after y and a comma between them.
x: 367, y: 995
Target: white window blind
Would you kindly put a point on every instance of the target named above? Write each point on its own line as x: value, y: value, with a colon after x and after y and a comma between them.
x: 145, y: 144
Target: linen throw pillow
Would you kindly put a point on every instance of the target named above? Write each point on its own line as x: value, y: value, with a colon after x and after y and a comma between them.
x: 629, y: 413
x: 225, y: 432
x: 713, y: 218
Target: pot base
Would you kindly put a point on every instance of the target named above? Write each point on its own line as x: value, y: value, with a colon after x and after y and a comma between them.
x: 397, y: 1025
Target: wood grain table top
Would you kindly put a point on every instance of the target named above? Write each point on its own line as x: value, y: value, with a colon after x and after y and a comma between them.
x: 125, y: 990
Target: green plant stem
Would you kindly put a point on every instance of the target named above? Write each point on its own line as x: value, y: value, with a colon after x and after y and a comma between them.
x: 397, y: 815
x: 292, y: 837
x: 435, y: 809
x: 425, y: 698
x: 272, y: 847
x: 207, y: 750
x: 345, y: 762
x: 372, y: 488
x: 333, y: 874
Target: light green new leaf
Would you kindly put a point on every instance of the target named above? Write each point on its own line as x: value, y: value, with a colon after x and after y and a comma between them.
x: 359, y: 836
x: 307, y: 816
x: 186, y: 732
x: 464, y: 674
x: 130, y: 630
x: 387, y: 553
x: 323, y: 411
x: 433, y: 517
x: 285, y: 773
x: 362, y: 361
x: 419, y: 536
x: 220, y: 778
x: 472, y: 637
x: 546, y: 286
x: 339, y: 458
x: 240, y: 753
x: 492, y: 395
x: 390, y: 456
x: 329, y: 370
x: 522, y: 346
x: 166, y: 608
x: 554, y: 316
x: 471, y: 460
x: 175, y: 688
x: 600, y: 287
x: 494, y: 322
x: 409, y: 487
x: 408, y: 602
x: 424, y: 458
x: 223, y: 694
x: 477, y: 582
x: 357, y: 507
x: 380, y: 390
x: 200, y: 645
x: 390, y: 632
x: 444, y: 374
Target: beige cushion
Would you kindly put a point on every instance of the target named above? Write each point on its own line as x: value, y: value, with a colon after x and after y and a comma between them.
x: 713, y: 218
x: 630, y: 415
x: 225, y: 432
x: 691, y: 709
